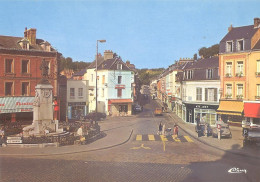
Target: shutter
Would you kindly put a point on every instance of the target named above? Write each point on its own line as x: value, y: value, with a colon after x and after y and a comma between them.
x: 215, y: 94
x: 206, y: 94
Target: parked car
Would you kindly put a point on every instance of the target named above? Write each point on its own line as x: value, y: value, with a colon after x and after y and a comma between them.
x: 96, y: 116
x: 137, y: 108
x: 251, y: 131
x: 224, y: 131
x: 158, y: 111
x: 205, y: 129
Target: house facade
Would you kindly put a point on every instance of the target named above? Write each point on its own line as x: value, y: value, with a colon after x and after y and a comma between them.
x: 20, y: 61
x: 239, y: 66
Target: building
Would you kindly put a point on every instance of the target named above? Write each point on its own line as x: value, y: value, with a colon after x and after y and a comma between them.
x: 114, y: 85
x: 239, y: 67
x: 20, y: 61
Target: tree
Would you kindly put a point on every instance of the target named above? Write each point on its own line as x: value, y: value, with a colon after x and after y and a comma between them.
x: 195, y: 56
x: 209, y: 52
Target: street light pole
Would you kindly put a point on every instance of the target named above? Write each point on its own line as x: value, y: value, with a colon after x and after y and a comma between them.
x: 101, y: 41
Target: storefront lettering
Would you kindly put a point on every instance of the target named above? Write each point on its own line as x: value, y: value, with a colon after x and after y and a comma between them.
x: 23, y: 103
x: 203, y: 107
x: 24, y: 110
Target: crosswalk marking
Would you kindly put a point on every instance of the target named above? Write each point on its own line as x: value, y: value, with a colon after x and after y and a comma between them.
x: 188, y: 138
x: 139, y: 137
x: 151, y: 137
x: 169, y: 138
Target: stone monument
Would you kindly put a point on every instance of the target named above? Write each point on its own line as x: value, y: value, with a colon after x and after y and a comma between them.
x: 43, y: 121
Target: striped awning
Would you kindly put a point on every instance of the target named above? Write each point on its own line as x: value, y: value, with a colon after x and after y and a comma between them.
x: 16, y: 104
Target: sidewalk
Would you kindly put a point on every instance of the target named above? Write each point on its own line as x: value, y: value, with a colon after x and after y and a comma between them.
x: 233, y: 145
x: 113, y: 128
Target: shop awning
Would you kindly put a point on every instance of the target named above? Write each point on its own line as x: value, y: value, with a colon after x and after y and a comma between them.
x: 229, y: 107
x: 120, y: 101
x: 252, y: 110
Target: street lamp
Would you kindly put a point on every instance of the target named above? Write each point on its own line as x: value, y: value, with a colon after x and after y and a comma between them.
x: 101, y: 41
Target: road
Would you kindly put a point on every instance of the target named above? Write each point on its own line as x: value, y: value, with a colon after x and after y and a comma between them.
x: 145, y: 157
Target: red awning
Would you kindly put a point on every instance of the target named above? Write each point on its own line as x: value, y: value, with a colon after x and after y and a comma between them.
x: 252, y: 110
x: 120, y: 101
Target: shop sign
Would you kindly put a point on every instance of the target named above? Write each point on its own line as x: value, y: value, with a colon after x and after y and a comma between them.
x: 16, y: 104
x: 202, y: 106
x: 120, y: 86
x: 77, y: 103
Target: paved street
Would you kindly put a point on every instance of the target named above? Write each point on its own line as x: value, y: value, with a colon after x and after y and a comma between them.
x: 140, y: 158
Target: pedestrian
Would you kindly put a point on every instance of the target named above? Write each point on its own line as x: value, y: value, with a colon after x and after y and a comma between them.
x: 80, y: 133
x: 2, y: 135
x: 160, y: 129
x: 176, y: 130
x: 163, y: 129
x: 198, y: 125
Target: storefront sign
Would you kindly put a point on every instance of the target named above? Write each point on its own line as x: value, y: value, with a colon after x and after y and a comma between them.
x: 202, y: 106
x: 120, y: 86
x: 16, y: 104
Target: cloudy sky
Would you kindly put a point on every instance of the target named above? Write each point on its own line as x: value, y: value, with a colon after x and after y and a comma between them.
x: 149, y: 33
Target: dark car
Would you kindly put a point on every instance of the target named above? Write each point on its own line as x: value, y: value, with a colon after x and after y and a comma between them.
x: 225, y: 131
x: 137, y: 108
x: 96, y: 116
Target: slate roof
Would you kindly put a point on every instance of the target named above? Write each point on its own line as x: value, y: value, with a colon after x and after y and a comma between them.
x: 80, y: 73
x: 93, y: 64
x: 9, y: 42
x: 212, y: 62
x: 109, y: 64
x: 245, y: 32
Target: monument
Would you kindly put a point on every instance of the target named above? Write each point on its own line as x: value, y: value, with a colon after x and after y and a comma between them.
x: 43, y: 121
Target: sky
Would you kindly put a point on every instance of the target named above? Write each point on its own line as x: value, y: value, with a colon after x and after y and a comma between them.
x: 148, y: 33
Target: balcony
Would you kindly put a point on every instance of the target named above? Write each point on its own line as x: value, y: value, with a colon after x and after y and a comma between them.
x: 240, y: 74
x: 228, y: 75
x: 257, y: 74
x: 240, y: 97
x: 228, y: 96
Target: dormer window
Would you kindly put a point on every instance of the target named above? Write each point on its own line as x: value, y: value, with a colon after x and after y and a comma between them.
x: 119, y: 66
x: 189, y: 74
x: 229, y: 46
x: 240, y: 45
x: 24, y: 43
x: 46, y: 46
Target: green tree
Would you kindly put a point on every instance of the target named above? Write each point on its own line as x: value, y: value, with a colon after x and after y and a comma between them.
x: 205, y: 52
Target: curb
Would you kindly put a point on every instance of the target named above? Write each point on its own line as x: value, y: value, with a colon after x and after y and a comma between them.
x: 64, y: 153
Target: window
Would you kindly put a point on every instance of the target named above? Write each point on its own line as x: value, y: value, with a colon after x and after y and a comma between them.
x: 189, y: 74
x: 103, y: 92
x: 240, y: 90
x: 119, y: 66
x: 8, y: 88
x: 72, y: 92
x: 25, y: 45
x: 211, y: 94
x: 80, y: 92
x: 103, y: 79
x: 199, y: 94
x: 258, y: 67
x: 49, y: 66
x: 25, y: 66
x: 240, y: 68
x: 228, y: 90
x: 229, y: 46
x: 25, y: 88
x: 119, y: 92
x: 209, y: 73
x: 119, y: 80
x: 92, y: 77
x: 9, y: 66
x: 258, y: 91
x: 240, y: 45
x: 228, y: 69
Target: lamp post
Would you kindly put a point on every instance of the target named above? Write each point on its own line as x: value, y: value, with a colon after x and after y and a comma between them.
x: 101, y: 41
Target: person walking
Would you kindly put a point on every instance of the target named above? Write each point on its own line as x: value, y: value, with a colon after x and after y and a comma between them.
x: 163, y: 129
x: 198, y: 125
x: 160, y: 129
x: 176, y: 130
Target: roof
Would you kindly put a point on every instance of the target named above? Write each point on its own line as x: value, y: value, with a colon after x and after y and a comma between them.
x: 111, y: 64
x: 9, y: 42
x: 245, y: 32
x: 93, y: 64
x: 80, y: 73
x: 257, y: 46
x: 212, y: 62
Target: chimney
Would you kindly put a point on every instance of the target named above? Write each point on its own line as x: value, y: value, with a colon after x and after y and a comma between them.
x: 31, y: 35
x: 230, y: 28
x: 256, y: 22
x: 127, y: 63
x: 25, y: 33
x: 108, y: 54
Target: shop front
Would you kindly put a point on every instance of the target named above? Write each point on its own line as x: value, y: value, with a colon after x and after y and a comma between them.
x: 231, y: 111
x: 252, y: 112
x: 120, y: 107
x: 206, y: 112
x: 178, y: 108
x: 16, y: 109
x: 76, y: 110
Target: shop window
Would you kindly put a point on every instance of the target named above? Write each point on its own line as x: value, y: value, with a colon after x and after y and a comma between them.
x: 72, y: 92
x: 119, y: 92
x: 25, y: 66
x: 8, y: 88
x: 9, y: 67
x: 25, y: 88
x: 198, y: 94
x: 80, y: 92
x: 119, y: 81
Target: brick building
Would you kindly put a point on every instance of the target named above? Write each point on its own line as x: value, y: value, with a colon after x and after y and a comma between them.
x: 20, y: 61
